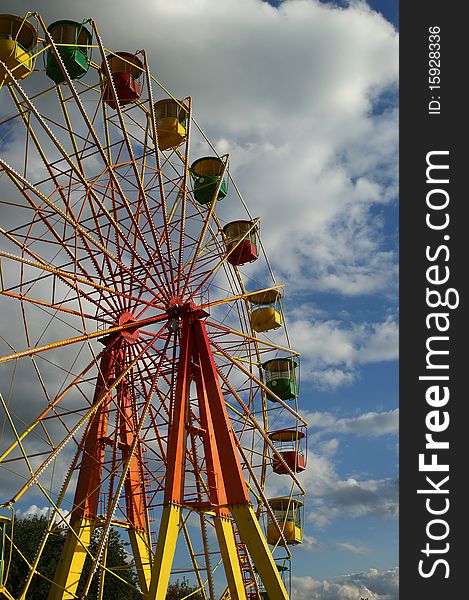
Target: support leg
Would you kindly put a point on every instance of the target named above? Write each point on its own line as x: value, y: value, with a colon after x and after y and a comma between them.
x: 251, y: 534
x: 227, y: 544
x: 72, y: 560
x: 142, y: 557
x: 165, y: 549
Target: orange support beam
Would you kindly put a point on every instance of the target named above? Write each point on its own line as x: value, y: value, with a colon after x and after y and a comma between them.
x: 175, y: 470
x: 227, y: 489
x: 231, y: 470
x: 134, y: 489
x: 85, y: 505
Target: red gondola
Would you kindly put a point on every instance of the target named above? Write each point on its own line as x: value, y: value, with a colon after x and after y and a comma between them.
x: 125, y: 69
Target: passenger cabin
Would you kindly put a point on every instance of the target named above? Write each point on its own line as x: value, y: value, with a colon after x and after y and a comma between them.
x: 241, y: 242
x: 288, y: 513
x: 290, y: 445
x: 265, y: 313
x: 73, y: 41
x: 171, y: 122
x: 280, y: 378
x: 206, y: 173
x: 18, y: 38
x: 125, y: 69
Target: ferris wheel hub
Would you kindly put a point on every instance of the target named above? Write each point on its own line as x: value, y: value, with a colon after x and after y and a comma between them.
x: 177, y: 310
x: 130, y: 335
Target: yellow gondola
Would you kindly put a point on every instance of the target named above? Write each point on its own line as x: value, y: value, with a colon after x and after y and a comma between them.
x: 171, y: 122
x: 266, y: 314
x: 18, y: 37
x: 288, y: 513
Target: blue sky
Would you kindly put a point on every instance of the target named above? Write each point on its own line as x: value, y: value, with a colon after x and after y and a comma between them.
x: 306, y: 104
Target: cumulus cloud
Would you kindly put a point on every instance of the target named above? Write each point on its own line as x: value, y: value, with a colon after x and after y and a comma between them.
x: 333, y: 350
x: 370, y: 424
x: 310, y: 543
x: 372, y: 584
x: 35, y: 511
x: 332, y: 495
x: 352, y: 548
x: 315, y: 158
x: 274, y: 87
x: 32, y: 511
x: 352, y: 498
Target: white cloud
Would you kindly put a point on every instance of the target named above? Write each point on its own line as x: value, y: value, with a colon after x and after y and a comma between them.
x: 352, y: 548
x: 33, y: 511
x: 370, y: 424
x: 328, y: 447
x: 372, y: 584
x: 351, y: 498
x: 332, y: 379
x: 334, y: 342
x: 332, y: 496
x: 310, y: 543
x: 45, y: 511
x: 276, y: 89
x: 332, y: 350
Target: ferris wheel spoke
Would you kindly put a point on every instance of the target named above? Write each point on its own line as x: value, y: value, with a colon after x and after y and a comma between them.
x: 149, y: 369
x: 206, y: 226
x: 22, y: 184
x: 183, y: 195
x: 86, y: 417
x: 134, y: 166
x: 219, y: 257
x: 48, y: 305
x: 71, y: 387
x: 70, y: 279
x: 59, y: 240
x: 81, y: 338
x: 96, y: 141
x: 251, y: 338
x: 70, y: 131
x: 164, y: 210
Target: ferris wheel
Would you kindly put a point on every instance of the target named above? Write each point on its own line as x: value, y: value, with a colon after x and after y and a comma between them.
x: 147, y: 379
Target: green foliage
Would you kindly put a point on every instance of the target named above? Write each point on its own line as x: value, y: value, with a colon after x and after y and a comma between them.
x: 182, y: 589
x: 116, y: 562
x: 28, y: 534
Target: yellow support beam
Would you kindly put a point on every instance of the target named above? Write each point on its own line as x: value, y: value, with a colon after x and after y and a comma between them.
x: 251, y: 534
x: 165, y: 549
x: 142, y: 555
x: 72, y: 560
x: 227, y: 544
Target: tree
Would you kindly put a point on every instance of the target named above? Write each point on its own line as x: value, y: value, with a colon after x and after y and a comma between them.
x: 181, y: 589
x: 117, y: 562
x: 28, y: 534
